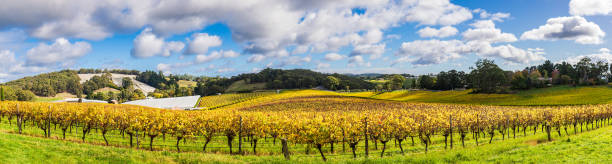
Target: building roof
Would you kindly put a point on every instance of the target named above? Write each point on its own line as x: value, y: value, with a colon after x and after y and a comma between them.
x: 187, y: 102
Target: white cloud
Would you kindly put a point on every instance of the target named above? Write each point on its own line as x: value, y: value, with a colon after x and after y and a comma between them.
x: 256, y: 58
x: 216, y: 55
x: 495, y: 17
x: 485, y: 31
x: 60, y: 51
x: 437, y: 12
x: 358, y: 61
x: 603, y: 55
x: 508, y: 52
x: 375, y: 51
x: 11, y: 67
x: 567, y: 28
x: 201, y: 42
x: 323, y: 65
x: 294, y: 60
x: 8, y: 59
x: 425, y: 52
x: 172, y: 47
x: 266, y: 28
x: 79, y: 27
x: 148, y: 44
x: 334, y: 57
x: 443, y: 32
x: 590, y: 7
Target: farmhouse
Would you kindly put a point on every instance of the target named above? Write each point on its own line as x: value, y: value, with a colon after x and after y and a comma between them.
x: 179, y: 103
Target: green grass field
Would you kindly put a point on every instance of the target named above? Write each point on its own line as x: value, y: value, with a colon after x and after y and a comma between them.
x: 559, y: 95
x: 185, y: 83
x: 586, y: 147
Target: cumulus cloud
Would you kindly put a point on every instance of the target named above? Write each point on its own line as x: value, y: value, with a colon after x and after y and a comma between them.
x: 375, y: 51
x: 201, y: 42
x: 8, y: 59
x: 495, y: 16
x: 334, y: 57
x: 485, y: 31
x: 433, y: 12
x: 443, y: 32
x: 266, y: 26
x: 11, y: 67
x: 59, y: 52
x: 147, y: 44
x: 567, y: 28
x: 294, y: 60
x: 216, y: 55
x: 603, y: 55
x: 425, y: 52
x: 168, y: 68
x: 358, y: 61
x: 256, y: 58
x: 590, y: 7
x: 172, y: 47
x: 508, y: 52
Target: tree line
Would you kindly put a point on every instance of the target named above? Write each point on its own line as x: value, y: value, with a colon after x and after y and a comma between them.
x: 488, y: 77
x: 284, y: 79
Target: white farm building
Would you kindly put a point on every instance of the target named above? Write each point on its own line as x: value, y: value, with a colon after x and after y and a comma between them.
x: 184, y: 103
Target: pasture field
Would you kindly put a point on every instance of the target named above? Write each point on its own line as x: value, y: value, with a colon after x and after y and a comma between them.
x: 59, y: 96
x: 186, y: 83
x: 558, y: 95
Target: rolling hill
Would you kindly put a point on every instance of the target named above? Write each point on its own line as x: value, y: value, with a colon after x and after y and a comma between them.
x: 116, y: 78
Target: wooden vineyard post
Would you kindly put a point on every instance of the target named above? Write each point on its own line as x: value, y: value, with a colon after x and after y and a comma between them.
x: 450, y: 120
x: 19, y: 118
x: 366, y: 137
x: 240, y: 136
x: 285, y: 148
x: 49, y: 123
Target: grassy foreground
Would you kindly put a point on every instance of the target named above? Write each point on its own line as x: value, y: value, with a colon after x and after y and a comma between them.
x: 587, y: 147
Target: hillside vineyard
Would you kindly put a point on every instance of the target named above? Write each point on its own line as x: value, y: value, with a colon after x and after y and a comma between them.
x: 320, y: 121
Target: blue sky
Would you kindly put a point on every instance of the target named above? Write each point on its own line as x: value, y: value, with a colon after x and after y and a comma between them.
x: 225, y: 38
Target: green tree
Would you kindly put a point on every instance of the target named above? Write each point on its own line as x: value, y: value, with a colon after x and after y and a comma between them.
x: 426, y: 82
x: 397, y: 82
x: 127, y: 82
x: 379, y: 87
x: 332, y: 82
x: 25, y: 95
x: 487, y: 77
x: 1, y: 93
x: 583, y: 67
x: 519, y: 81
